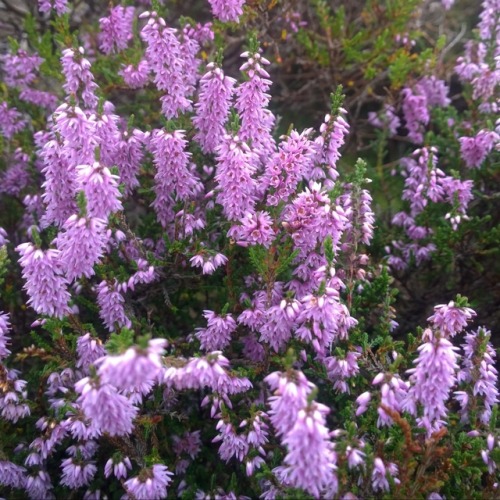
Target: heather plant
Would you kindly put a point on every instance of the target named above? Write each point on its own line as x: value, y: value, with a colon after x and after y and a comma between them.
x: 190, y: 305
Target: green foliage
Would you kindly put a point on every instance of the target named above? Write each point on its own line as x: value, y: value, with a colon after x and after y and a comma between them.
x: 120, y: 342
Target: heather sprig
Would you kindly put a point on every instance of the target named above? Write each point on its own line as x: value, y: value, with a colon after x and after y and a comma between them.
x: 205, y: 297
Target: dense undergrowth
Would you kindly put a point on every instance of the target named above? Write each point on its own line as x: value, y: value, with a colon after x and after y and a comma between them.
x: 236, y: 240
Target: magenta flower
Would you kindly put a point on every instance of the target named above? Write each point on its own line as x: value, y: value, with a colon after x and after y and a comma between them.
x: 472, y: 62
x: 334, y: 131
x: 16, y: 177
x: 434, y: 90
x: 217, y: 335
x: 393, y: 393
x: 310, y: 218
x: 232, y: 443
x: 128, y: 157
x: 459, y: 194
x: 44, y: 281
x: 474, y: 150
x: 77, y: 473
x: 252, y: 102
x: 134, y: 368
x: 82, y: 244
x: 380, y: 473
x: 107, y: 133
x: 290, y: 396
x: 88, y: 349
x: 166, y: 60
x: 77, y: 129
x: 416, y: 114
x: 110, y: 302
x: 341, y: 369
x: 60, y: 183
x: 175, y: 177
x: 212, y: 108
x: 208, y: 263
x: 79, y: 78
x: 431, y: 380
x: 13, y: 398
x: 116, y: 29
x: 258, y: 431
x: 202, y: 33
x: 478, y: 369
x: 254, y: 229
x: 288, y: 166
x: 20, y: 70
x: 277, y: 324
x: 360, y: 216
x: 136, y: 77
x: 227, y: 10
x: 150, y: 484
x: 234, y: 178
x: 38, y: 484
x: 85, y: 450
x: 118, y: 466
x: 189, y: 443
x: 108, y: 410
x: 100, y: 188
x: 60, y: 6
x: 386, y: 119
x: 4, y: 335
x: 209, y: 371
x: 424, y: 180
x: 323, y: 320
x: 39, y: 98
x: 450, y: 319
x: 310, y: 459
x: 12, y: 475
x: 144, y: 274
x: 11, y: 121
x: 363, y: 401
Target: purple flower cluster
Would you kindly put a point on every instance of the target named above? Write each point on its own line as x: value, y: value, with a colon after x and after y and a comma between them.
x: 234, y: 177
x: 136, y: 76
x: 101, y: 190
x: 60, y: 6
x: 175, y: 178
x: 212, y: 108
x: 82, y: 244
x: 208, y: 263
x: 111, y: 310
x: 254, y: 229
x: 79, y: 79
x: 416, y: 114
x: 116, y: 29
x: 310, y: 462
x: 227, y: 10
x: 478, y: 369
x: 386, y: 119
x: 108, y: 410
x: 334, y: 131
x: 11, y: 121
x: 167, y: 59
x: 283, y: 229
x: 474, y: 150
x: 288, y: 166
x: 21, y: 69
x: 150, y: 484
x: 425, y: 183
x: 44, y: 278
x: 252, y: 100
x: 217, y: 335
x: 434, y: 375
x: 450, y: 319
